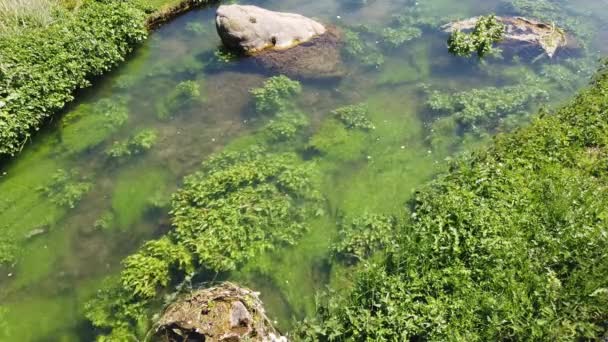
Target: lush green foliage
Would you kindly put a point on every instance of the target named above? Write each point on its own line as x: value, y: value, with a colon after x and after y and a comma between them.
x: 488, y: 31
x: 509, y: 245
x: 139, y: 143
x: 276, y: 94
x: 359, y: 238
x: 354, y: 116
x: 67, y: 188
x: 185, y: 95
x: 41, y: 68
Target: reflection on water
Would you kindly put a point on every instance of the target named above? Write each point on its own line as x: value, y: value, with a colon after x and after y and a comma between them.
x: 60, y: 254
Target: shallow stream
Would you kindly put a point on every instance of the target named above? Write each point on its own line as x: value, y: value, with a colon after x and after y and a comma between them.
x: 64, y: 245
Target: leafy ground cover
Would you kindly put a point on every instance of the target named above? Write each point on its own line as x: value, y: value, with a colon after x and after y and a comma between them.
x: 508, y: 245
x: 50, y: 48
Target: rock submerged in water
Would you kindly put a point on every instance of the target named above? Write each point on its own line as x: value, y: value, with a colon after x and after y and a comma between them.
x: 283, y: 43
x: 522, y: 34
x: 252, y: 29
x: 224, y: 313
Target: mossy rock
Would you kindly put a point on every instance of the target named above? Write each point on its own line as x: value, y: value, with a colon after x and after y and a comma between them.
x: 225, y: 312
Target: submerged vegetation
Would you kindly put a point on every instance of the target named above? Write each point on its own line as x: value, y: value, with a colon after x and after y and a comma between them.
x: 276, y: 94
x: 481, y: 110
x: 510, y: 244
x: 239, y: 205
x: 66, y: 188
x: 185, y: 95
x: 139, y: 143
x: 487, y: 31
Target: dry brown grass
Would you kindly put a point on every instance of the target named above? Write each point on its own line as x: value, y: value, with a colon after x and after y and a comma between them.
x: 19, y: 15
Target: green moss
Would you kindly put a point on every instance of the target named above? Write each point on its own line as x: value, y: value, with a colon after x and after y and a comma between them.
x: 133, y: 188
x: 105, y: 222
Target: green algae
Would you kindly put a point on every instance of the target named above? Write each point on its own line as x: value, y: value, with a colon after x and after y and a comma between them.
x: 133, y: 189
x: 90, y: 124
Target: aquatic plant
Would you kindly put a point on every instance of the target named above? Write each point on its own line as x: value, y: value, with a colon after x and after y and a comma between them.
x: 67, y: 188
x: 105, y: 222
x: 275, y: 95
x: 483, y: 107
x: 337, y: 142
x: 354, y: 116
x: 149, y: 269
x: 509, y: 244
x: 356, y: 48
x: 396, y: 37
x: 237, y: 206
x: 8, y: 248
x: 185, y: 95
x: 285, y: 126
x: 115, y: 309
x: 362, y: 236
x: 133, y: 190
x: 137, y: 144
x: 42, y: 67
x: 488, y: 31
x: 226, y: 216
x: 90, y: 124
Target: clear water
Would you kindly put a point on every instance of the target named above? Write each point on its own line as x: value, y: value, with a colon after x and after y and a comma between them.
x: 42, y: 293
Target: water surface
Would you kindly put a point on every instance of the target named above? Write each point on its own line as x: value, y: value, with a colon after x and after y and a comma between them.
x: 64, y: 253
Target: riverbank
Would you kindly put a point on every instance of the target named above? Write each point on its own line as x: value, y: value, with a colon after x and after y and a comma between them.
x: 510, y: 244
x: 46, y: 61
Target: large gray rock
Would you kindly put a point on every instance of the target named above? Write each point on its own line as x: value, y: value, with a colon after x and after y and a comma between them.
x: 252, y: 29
